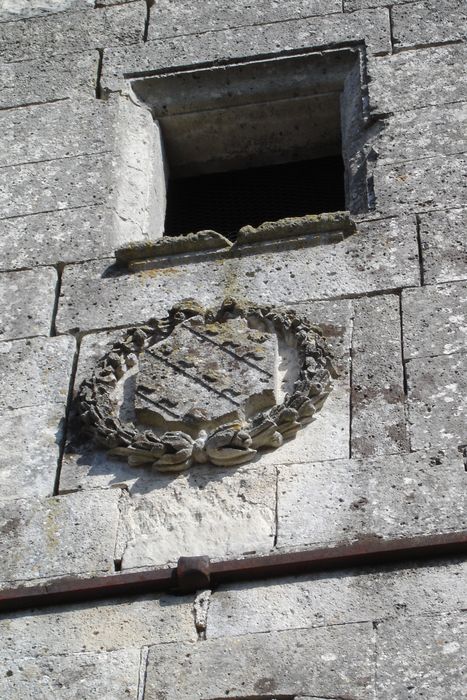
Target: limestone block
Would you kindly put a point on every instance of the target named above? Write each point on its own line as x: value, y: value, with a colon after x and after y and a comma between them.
x: 437, y: 391
x: 20, y: 9
x: 74, y: 127
x: 170, y: 18
x: 27, y: 301
x: 71, y: 32
x: 435, y: 321
x: 60, y: 236
x: 372, y: 26
x: 399, y: 82
x: 123, y: 173
x: 210, y: 511
x: 96, y: 627
x: 57, y: 536
x: 77, y: 677
x: 422, y: 657
x: 423, y: 133
x: 444, y: 245
x: 30, y: 440
x: 48, y: 79
x: 382, y: 255
x: 390, y: 496
x: 378, y: 399
x: 431, y: 183
x: 428, y: 22
x: 36, y: 371
x: 336, y: 598
x: 331, y: 662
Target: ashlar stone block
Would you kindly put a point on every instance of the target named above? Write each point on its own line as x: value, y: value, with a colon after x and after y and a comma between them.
x: 36, y: 372
x: 378, y: 398
x: 437, y: 391
x: 354, y: 5
x: 423, y: 657
x: 208, y: 511
x: 30, y: 442
x: 382, y: 255
x: 98, y: 675
x: 399, y: 82
x: 71, y: 32
x: 170, y: 18
x: 440, y: 130
x: 431, y: 183
x: 46, y: 79
x: 434, y: 318
x: 101, y: 626
x: 444, y: 245
x: 331, y: 662
x: 337, y: 598
x: 391, y: 496
x: 371, y: 26
x: 428, y: 22
x: 49, y: 537
x: 27, y: 301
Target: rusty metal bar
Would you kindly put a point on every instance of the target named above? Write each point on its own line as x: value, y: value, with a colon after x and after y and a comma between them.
x: 195, y: 572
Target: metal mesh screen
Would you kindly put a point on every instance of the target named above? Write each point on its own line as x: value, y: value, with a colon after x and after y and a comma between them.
x: 227, y: 201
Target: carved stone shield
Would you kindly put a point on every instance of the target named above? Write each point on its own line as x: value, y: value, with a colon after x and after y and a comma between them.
x: 209, y: 385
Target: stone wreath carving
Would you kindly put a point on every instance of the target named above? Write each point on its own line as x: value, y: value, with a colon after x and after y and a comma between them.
x: 232, y: 413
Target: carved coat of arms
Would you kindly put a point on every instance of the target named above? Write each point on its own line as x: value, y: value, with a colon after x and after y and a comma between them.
x: 207, y: 385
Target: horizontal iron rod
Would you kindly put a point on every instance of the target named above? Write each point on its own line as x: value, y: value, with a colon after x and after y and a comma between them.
x: 366, y: 552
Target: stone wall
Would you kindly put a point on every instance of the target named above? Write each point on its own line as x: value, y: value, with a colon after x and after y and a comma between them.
x: 79, y: 178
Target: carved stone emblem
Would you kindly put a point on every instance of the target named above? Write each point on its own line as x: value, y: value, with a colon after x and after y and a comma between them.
x: 207, y: 385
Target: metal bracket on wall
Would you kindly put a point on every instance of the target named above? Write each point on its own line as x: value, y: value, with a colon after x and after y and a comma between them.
x: 195, y: 573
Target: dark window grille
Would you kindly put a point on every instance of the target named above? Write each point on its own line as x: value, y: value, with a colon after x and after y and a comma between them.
x: 224, y: 202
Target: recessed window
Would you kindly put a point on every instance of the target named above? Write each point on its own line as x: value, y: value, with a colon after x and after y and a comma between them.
x: 251, y: 142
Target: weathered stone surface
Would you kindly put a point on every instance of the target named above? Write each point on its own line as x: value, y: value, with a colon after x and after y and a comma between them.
x: 434, y: 319
x: 209, y: 511
x: 58, y: 184
x: 437, y: 401
x: 71, y: 32
x: 30, y: 440
x: 353, y: 5
x: 428, y: 22
x: 383, y: 255
x: 170, y: 18
x: 61, y: 236
x: 423, y: 133
x: 444, y: 245
x: 378, y: 399
x: 95, y: 627
x: 333, y: 662
x: 20, y: 9
x: 371, y: 26
x: 62, y: 129
x: 422, y: 657
x: 78, y: 677
x: 26, y: 303
x: 399, y: 82
x: 36, y: 371
x: 47, y: 79
x: 390, y: 496
x: 125, y: 176
x: 56, y: 536
x: 431, y: 183
x: 336, y: 598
